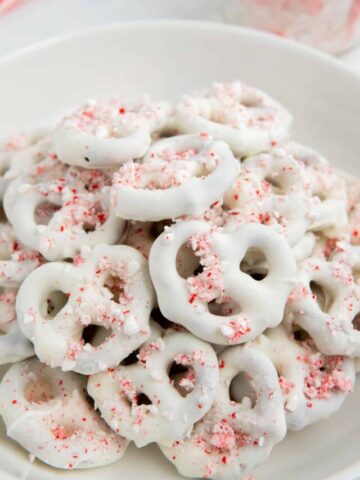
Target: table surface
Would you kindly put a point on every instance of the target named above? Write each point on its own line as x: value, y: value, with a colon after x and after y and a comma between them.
x: 35, y: 20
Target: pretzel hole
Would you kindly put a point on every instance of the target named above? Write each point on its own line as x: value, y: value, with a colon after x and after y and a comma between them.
x: 63, y: 432
x: 95, y: 335
x: 182, y: 378
x: 321, y: 295
x: 356, y: 322
x: 4, y: 168
x: 301, y: 335
x: 89, y: 227
x: 277, y: 186
x: 242, y: 391
x: 321, y: 195
x: 131, y: 359
x: 44, y: 212
x: 89, y: 400
x: 5, y: 252
x: 224, y: 309
x: 157, y: 228
x: 251, y: 98
x: 159, y: 318
x: 116, y: 286
x: 187, y: 263
x: 39, y: 391
x: 356, y: 275
x: 53, y: 304
x: 142, y: 399
x: 255, y: 264
x: 3, y: 218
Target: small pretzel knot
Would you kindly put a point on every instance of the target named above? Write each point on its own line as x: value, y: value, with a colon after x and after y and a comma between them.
x: 325, y: 303
x: 233, y: 438
x: 329, y: 210
x: 167, y: 415
x: 47, y: 412
x: 306, y: 155
x: 243, y: 307
x: 55, y: 209
x: 273, y: 189
x: 111, y: 288
x: 181, y: 175
x: 314, y: 386
x: 99, y: 135
x: 245, y: 118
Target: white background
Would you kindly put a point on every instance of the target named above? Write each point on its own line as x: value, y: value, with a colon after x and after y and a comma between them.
x: 36, y: 20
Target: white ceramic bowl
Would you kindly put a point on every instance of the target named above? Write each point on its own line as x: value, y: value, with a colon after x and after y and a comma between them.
x: 166, y: 59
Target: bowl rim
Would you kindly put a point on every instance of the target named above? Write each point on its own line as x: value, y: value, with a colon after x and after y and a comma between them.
x: 352, y: 471
x: 182, y: 24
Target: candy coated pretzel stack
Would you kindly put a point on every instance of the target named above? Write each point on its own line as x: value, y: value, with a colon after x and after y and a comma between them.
x: 185, y: 275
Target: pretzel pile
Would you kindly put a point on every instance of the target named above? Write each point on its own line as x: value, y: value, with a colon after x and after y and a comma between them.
x: 186, y: 275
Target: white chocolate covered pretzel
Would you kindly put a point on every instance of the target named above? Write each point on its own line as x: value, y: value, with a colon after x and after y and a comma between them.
x: 167, y: 415
x: 306, y: 155
x: 56, y: 210
x: 314, y: 386
x: 274, y: 189
x: 243, y: 306
x: 181, y: 175
x: 47, y: 412
x: 233, y: 438
x: 99, y: 135
x: 325, y: 303
x: 329, y: 210
x: 172, y: 236
x: 248, y: 120
x: 111, y: 288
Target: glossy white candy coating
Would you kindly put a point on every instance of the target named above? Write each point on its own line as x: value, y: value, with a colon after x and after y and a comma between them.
x: 325, y: 303
x: 123, y: 313
x: 233, y: 438
x: 186, y: 301
x: 99, y: 135
x: 181, y: 175
x: 248, y: 120
x: 169, y: 416
x: 314, y: 386
x: 47, y: 412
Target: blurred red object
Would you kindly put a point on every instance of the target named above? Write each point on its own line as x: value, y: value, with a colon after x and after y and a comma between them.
x: 5, y: 5
x: 331, y: 25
